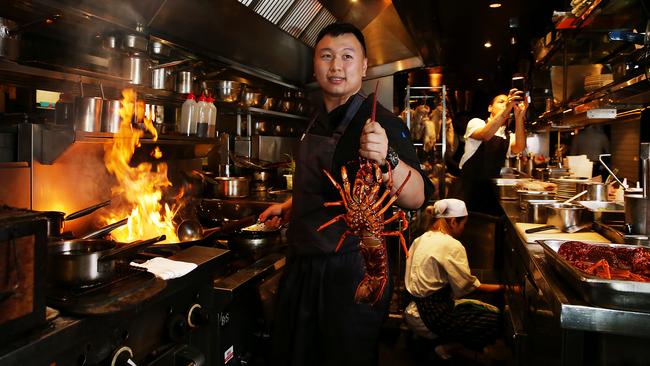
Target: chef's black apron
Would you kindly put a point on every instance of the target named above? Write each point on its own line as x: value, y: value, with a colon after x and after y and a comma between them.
x: 317, y: 320
x: 470, y: 324
x: 478, y: 172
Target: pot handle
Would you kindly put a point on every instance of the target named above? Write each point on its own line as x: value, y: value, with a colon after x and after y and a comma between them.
x: 130, y: 248
x: 87, y: 211
x: 106, y: 229
x: 205, y: 177
x: 538, y: 229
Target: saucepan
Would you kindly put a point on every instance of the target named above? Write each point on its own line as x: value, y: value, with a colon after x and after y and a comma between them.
x: 82, y: 262
x: 56, y: 219
x: 566, y: 217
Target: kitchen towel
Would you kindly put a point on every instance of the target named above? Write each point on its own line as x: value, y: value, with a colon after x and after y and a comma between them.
x: 166, y: 268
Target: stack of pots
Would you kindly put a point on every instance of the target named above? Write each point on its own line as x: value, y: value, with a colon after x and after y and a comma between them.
x: 136, y: 63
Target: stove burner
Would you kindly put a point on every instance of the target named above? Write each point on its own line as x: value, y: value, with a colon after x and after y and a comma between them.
x: 128, y: 288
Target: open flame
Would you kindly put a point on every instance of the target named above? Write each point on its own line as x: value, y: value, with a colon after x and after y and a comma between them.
x: 140, y: 189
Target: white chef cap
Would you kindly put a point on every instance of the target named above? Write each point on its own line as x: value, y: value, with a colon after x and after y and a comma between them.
x: 449, y: 207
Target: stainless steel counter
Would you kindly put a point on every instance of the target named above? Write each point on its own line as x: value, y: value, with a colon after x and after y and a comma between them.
x: 567, y: 305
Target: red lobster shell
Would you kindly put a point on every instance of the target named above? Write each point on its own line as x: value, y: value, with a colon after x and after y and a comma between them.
x: 364, y: 216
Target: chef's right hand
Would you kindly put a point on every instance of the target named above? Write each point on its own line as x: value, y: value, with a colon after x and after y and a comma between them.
x: 279, y: 214
x: 514, y: 96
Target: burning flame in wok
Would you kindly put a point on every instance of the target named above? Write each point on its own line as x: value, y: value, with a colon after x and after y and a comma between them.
x: 139, y: 189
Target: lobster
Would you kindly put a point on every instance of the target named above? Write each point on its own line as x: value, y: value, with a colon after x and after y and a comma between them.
x: 364, y: 216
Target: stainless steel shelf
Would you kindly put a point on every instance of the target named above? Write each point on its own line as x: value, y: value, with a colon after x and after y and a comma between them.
x: 54, y: 140
x: 266, y: 112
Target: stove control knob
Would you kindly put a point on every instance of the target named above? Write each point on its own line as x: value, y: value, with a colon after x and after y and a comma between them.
x: 196, y: 316
x: 177, y: 327
x: 123, y: 356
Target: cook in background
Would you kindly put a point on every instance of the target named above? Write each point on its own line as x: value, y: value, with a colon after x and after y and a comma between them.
x: 438, y: 277
x: 592, y: 141
x: 487, y: 143
x: 317, y: 320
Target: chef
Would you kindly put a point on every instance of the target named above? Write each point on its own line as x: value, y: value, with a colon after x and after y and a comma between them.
x: 438, y: 276
x: 487, y: 143
x: 318, y: 321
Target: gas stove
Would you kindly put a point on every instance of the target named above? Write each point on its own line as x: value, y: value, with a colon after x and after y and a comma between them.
x: 173, y: 325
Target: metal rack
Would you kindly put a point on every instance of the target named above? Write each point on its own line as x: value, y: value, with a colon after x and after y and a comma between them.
x: 443, y: 130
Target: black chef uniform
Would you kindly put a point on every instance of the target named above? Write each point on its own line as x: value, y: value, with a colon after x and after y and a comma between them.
x: 317, y: 320
x: 479, y: 170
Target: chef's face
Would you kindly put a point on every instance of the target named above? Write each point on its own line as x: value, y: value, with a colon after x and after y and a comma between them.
x: 498, y: 105
x: 457, y: 225
x: 339, y: 65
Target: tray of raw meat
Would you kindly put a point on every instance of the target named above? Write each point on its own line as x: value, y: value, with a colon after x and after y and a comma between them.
x: 607, y: 275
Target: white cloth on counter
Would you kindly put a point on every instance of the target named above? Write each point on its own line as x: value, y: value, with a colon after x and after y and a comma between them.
x: 166, y: 268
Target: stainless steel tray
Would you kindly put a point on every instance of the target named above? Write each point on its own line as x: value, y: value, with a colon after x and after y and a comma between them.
x: 615, y: 294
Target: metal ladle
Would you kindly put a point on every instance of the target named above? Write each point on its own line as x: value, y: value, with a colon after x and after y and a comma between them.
x: 190, y: 230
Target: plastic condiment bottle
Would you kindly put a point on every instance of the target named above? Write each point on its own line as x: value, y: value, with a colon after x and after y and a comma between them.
x: 188, y: 112
x: 202, y: 117
x: 212, y: 117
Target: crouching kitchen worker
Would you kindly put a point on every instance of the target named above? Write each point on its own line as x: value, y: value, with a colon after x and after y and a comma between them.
x: 438, y: 277
x: 318, y: 321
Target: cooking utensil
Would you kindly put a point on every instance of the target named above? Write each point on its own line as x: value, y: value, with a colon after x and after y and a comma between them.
x: 250, y: 98
x: 574, y: 197
x: 105, y: 230
x: 597, y: 191
x: 227, y: 187
x: 525, y: 196
x: 600, y: 158
x: 537, y: 212
x: 135, y: 68
x: 161, y: 79
x: 56, y: 219
x: 567, y: 218
x: 184, y: 82
x: 191, y: 230
x: 111, y: 118
x: 159, y: 49
x: 88, y: 111
x: 225, y: 90
x: 82, y: 262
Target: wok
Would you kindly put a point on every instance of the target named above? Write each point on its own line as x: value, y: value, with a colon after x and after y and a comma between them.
x: 82, y: 262
x: 56, y: 219
x: 250, y: 239
x: 227, y: 227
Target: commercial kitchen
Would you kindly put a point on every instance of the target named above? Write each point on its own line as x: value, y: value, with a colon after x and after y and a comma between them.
x: 141, y: 140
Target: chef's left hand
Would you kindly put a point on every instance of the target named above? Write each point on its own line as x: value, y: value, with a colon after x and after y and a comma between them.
x: 373, y: 142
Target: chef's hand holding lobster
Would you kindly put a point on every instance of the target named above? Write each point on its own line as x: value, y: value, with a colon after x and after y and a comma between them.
x: 374, y: 147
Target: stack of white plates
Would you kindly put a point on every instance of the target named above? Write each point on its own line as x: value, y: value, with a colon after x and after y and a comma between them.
x: 593, y: 82
x: 567, y: 187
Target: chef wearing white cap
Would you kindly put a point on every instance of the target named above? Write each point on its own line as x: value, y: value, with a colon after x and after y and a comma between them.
x: 438, y: 275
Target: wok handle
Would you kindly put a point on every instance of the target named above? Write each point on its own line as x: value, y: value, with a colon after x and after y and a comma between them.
x: 87, y: 211
x: 538, y: 229
x: 130, y: 248
x: 105, y: 230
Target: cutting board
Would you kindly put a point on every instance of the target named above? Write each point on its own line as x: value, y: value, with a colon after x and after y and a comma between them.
x: 557, y: 234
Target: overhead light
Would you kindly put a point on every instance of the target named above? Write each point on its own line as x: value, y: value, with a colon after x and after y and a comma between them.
x: 487, y: 44
x: 479, y: 79
x: 495, y: 5
x: 513, y: 40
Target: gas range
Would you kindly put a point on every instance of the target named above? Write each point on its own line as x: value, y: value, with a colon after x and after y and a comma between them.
x: 176, y: 324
